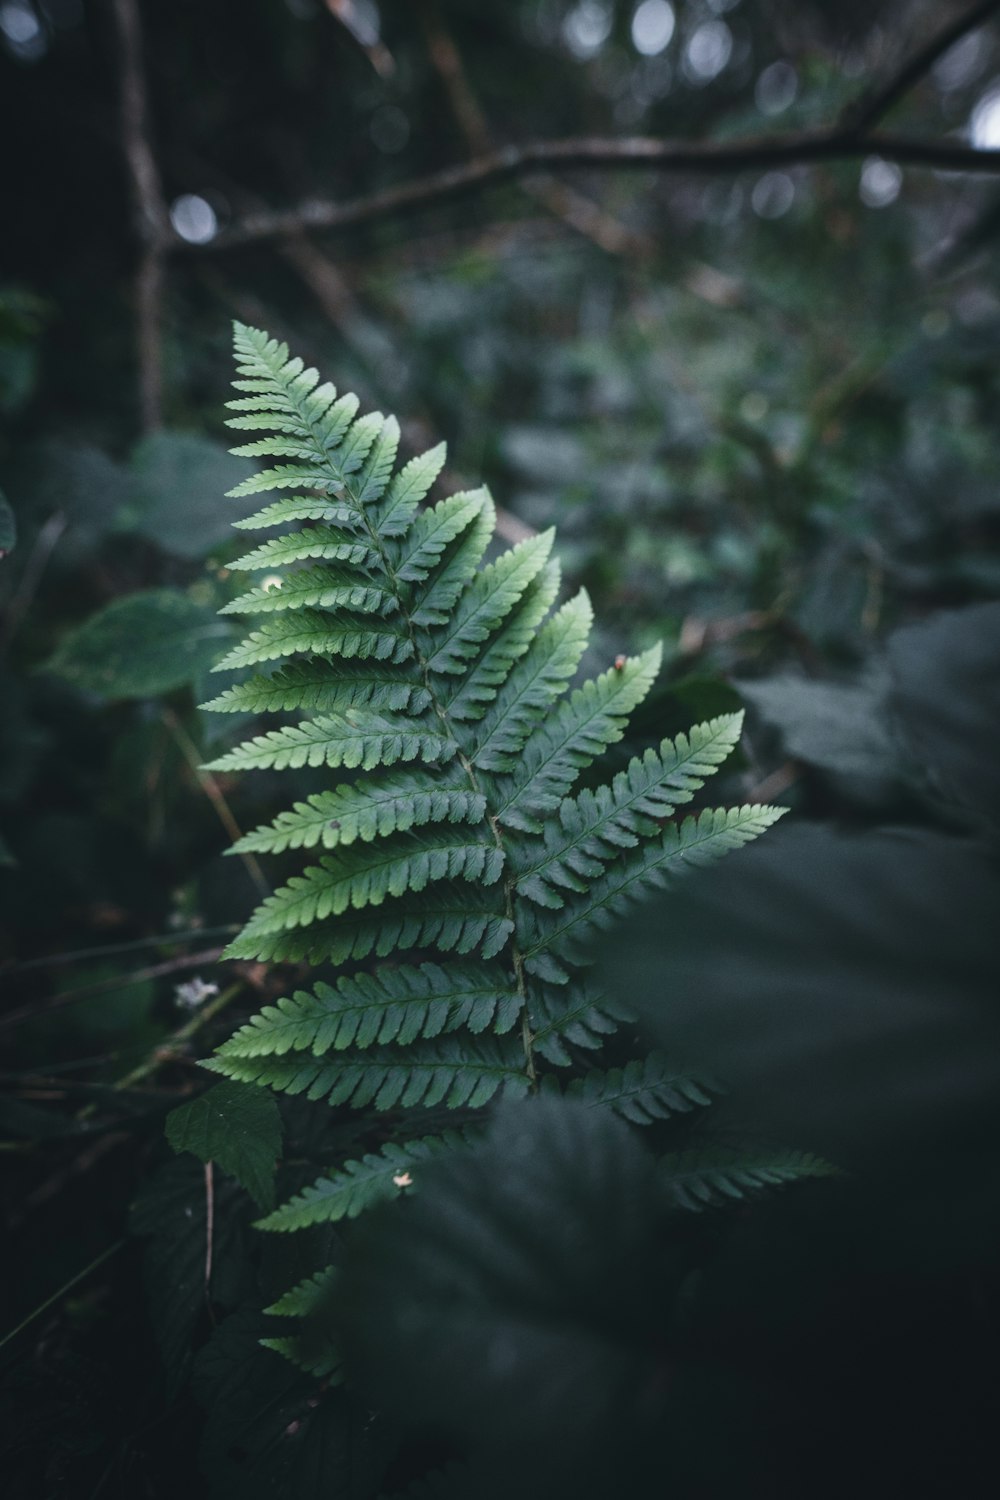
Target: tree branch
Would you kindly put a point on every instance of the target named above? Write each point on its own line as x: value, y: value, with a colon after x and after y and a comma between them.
x: 637, y: 153
x: 873, y: 106
x: 150, y: 209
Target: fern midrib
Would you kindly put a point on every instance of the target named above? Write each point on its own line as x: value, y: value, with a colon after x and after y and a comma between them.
x: 509, y: 884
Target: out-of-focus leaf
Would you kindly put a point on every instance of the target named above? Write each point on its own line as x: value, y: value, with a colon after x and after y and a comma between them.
x: 178, y: 500
x: 6, y: 853
x: 238, y: 1127
x: 852, y: 1005
x: 842, y: 728
x: 273, y: 1431
x: 8, y: 527
x: 946, y: 691
x: 520, y: 1301
x: 142, y: 645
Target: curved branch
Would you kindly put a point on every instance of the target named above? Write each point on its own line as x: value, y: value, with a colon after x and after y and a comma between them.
x: 874, y: 106
x: 641, y: 152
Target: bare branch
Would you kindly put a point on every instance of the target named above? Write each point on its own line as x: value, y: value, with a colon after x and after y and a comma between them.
x: 867, y: 111
x: 635, y: 153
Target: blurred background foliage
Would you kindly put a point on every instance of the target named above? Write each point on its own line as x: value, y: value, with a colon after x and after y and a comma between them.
x: 761, y: 407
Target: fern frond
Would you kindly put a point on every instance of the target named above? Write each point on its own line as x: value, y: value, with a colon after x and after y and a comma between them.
x: 317, y: 1356
x: 546, y: 936
x: 450, y: 917
x: 696, y: 1180
x: 309, y: 685
x: 485, y: 602
x: 322, y: 588
x: 330, y: 543
x: 358, y: 1185
x: 367, y: 875
x: 578, y: 1019
x: 432, y: 600
x: 446, y: 682
x: 456, y: 1074
x: 311, y: 632
x: 365, y: 810
x: 468, y: 695
x: 393, y: 1005
x: 561, y: 746
x: 392, y: 517
x: 432, y: 532
x: 358, y: 737
x: 592, y: 828
x: 643, y: 1091
x: 306, y: 1297
x: 299, y: 508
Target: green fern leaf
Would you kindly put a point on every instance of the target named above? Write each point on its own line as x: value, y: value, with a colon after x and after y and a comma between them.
x: 452, y: 918
x: 594, y: 827
x: 309, y: 1300
x: 322, y: 588
x: 396, y: 512
x: 560, y: 747
x: 309, y: 685
x: 394, y: 1005
x: 696, y: 1180
x: 532, y: 687
x: 310, y: 631
x: 451, y: 1073
x: 367, y: 875
x: 468, y: 696
x: 358, y: 1185
x: 643, y: 1091
x: 358, y: 737
x: 486, y: 601
x: 546, y: 936
x: 577, y: 1019
x: 330, y: 543
x: 299, y: 508
x: 365, y: 810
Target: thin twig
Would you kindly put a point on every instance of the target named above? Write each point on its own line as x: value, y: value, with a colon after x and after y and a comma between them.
x: 37, y: 561
x: 106, y: 986
x: 209, y: 1235
x: 164, y: 1051
x: 872, y: 107
x: 112, y: 950
x: 151, y: 217
x: 215, y: 795
x: 67, y: 1286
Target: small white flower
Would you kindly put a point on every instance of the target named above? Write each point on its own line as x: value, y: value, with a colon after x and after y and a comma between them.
x: 189, y: 996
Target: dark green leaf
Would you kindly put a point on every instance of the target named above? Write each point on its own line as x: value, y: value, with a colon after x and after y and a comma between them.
x: 239, y: 1128
x: 141, y: 645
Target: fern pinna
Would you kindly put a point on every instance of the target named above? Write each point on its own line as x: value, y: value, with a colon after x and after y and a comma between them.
x: 457, y: 848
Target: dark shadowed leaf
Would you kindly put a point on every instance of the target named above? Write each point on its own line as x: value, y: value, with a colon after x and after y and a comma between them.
x: 171, y: 1211
x: 946, y: 691
x: 272, y: 1431
x: 522, y: 1298
x: 141, y: 645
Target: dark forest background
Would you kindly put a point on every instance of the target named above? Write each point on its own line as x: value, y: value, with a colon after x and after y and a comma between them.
x: 712, y: 286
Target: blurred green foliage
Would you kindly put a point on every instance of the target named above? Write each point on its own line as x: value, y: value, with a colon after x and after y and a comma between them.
x: 762, y: 410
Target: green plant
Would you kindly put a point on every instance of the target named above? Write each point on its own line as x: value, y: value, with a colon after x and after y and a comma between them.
x: 459, y: 855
